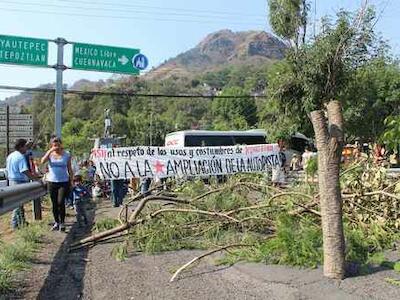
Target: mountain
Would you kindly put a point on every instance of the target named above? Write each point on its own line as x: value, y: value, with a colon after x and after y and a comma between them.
x: 221, y: 48
x: 87, y: 85
x: 25, y: 98
x: 215, y: 52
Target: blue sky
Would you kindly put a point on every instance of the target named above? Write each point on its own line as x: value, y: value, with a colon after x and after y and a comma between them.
x: 161, y: 29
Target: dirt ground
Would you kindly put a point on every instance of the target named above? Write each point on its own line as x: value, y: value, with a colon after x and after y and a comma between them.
x: 94, y: 274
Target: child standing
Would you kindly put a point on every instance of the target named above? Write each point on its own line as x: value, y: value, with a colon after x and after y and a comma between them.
x: 80, y: 196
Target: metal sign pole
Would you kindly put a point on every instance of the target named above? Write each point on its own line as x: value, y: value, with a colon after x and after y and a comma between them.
x: 7, y: 130
x: 60, y: 67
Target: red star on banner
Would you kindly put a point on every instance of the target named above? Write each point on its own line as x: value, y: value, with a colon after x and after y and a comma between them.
x: 159, y: 167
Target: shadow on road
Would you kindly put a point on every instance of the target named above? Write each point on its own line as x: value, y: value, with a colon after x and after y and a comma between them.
x: 65, y: 279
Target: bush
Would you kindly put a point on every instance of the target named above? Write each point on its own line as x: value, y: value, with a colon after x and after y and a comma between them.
x: 312, y: 166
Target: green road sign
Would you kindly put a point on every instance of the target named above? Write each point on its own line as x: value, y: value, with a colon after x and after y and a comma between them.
x: 23, y: 50
x: 104, y: 58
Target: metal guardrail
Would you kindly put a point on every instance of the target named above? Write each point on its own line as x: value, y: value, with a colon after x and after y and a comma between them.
x: 13, y: 196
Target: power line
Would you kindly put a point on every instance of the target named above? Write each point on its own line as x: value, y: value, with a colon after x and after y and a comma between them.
x: 260, y: 18
x: 127, y: 93
x: 126, y: 17
x: 165, y: 8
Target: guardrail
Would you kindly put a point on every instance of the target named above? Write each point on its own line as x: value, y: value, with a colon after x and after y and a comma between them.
x: 16, y: 195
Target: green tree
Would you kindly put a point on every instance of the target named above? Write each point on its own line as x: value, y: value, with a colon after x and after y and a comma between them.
x: 391, y: 135
x: 313, y: 80
x: 234, y: 113
x: 77, y: 135
x: 372, y: 95
x: 42, y: 109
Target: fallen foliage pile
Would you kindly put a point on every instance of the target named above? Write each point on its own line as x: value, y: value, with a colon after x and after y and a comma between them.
x: 253, y: 221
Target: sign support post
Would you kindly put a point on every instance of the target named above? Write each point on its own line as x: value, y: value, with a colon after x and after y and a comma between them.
x: 60, y: 67
x: 7, y: 130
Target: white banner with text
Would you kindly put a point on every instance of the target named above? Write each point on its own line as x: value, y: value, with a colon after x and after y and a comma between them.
x: 161, y: 162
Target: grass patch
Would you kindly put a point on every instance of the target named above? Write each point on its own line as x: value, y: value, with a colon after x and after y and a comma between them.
x: 105, y: 224
x: 396, y: 267
x: 16, y: 256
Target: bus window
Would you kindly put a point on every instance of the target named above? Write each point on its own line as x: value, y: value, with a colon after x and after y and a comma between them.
x: 249, y: 140
x: 208, y: 140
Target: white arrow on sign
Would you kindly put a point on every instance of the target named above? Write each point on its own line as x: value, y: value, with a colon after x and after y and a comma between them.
x: 123, y: 60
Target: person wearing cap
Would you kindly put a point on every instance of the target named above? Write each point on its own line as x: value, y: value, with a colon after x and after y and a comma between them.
x: 59, y: 179
x: 18, y: 173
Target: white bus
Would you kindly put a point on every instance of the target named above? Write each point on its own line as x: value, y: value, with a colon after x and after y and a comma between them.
x: 202, y: 138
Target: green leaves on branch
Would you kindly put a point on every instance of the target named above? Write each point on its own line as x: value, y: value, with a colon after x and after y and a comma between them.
x: 288, y: 19
x: 391, y: 135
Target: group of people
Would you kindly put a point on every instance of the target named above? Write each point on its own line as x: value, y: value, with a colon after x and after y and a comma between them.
x: 65, y: 182
x: 375, y: 151
x: 296, y: 163
x: 60, y: 179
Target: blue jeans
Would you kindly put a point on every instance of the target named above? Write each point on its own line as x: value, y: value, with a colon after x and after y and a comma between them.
x: 144, y: 186
x: 117, y: 191
x: 18, y: 214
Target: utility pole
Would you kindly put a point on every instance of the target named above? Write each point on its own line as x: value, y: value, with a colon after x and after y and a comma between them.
x: 315, y: 18
x: 7, y: 130
x: 151, y: 121
x: 60, y: 67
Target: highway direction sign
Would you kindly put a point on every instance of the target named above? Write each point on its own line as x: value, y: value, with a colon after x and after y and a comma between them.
x: 16, y: 117
x: 18, y: 128
x: 103, y: 58
x: 19, y: 134
x: 17, y: 122
x: 23, y: 51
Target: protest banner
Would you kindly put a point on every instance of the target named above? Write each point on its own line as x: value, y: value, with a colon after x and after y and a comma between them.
x: 161, y: 162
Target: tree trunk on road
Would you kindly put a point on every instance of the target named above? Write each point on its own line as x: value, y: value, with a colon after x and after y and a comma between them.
x: 329, y: 136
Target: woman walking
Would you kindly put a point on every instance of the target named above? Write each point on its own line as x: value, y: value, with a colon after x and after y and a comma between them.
x: 59, y: 179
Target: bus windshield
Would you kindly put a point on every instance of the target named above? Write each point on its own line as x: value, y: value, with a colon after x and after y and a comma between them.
x: 223, y: 140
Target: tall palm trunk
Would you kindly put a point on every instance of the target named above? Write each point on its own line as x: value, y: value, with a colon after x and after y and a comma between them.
x: 329, y: 137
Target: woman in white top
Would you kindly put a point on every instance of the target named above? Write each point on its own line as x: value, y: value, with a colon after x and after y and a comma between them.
x: 59, y: 179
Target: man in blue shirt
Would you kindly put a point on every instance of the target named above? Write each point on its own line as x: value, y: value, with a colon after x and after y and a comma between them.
x: 17, y: 173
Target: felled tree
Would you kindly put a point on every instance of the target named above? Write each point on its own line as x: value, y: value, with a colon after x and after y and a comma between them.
x: 313, y: 79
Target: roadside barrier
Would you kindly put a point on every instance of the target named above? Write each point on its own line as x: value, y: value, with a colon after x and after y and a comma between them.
x: 14, y: 196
